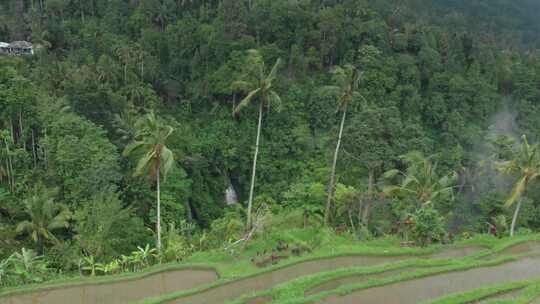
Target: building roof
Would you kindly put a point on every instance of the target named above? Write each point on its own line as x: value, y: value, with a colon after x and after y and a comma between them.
x: 20, y: 44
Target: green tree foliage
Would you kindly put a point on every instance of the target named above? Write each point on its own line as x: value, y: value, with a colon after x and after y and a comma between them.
x: 156, y: 160
x: 257, y: 84
x: 440, y: 77
x: 106, y: 229
x: 45, y: 215
x: 346, y: 82
x: 420, y: 184
x: 525, y: 163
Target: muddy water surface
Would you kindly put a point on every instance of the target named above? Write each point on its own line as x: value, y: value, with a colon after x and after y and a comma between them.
x: 355, y: 279
x: 268, y: 280
x: 125, y: 291
x: 428, y: 288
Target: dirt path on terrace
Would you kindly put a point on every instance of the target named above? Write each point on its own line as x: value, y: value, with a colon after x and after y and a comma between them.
x: 436, y: 286
x: 125, y: 291
x: 268, y: 280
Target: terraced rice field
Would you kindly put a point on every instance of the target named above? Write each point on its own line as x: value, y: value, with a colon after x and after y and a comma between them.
x: 318, y: 279
x: 123, y: 291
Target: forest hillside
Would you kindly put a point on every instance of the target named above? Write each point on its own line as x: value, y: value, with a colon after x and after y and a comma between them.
x: 185, y: 124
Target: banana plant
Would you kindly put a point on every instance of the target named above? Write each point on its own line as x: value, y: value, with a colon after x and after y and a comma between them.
x: 28, y: 265
x: 112, y: 267
x: 143, y: 256
x: 4, y: 270
x: 124, y: 262
x: 89, y: 264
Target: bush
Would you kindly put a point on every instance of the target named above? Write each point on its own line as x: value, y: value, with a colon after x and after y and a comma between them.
x: 427, y: 226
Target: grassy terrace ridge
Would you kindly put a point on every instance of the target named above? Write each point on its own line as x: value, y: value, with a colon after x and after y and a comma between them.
x: 458, y: 265
x: 230, y: 268
x: 374, y: 248
x: 293, y: 292
x: 530, y: 290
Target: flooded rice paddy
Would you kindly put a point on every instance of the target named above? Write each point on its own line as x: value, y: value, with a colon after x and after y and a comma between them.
x: 435, y: 286
x: 123, y: 291
x: 269, y: 280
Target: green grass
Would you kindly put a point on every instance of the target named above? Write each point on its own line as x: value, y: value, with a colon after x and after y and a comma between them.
x: 237, y: 266
x: 293, y: 292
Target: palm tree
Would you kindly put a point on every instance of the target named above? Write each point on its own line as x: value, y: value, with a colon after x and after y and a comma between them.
x: 346, y: 82
x: 525, y: 162
x: 258, y: 86
x: 45, y: 216
x: 420, y: 182
x: 157, y: 159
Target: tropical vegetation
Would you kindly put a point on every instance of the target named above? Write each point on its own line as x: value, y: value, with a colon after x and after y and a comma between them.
x: 123, y: 135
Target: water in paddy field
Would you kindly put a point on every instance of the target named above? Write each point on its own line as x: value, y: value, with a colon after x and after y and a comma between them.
x: 125, y: 291
x: 436, y: 286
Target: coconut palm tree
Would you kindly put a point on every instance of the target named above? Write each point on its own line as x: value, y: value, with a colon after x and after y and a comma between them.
x: 45, y: 216
x: 257, y: 84
x: 524, y: 162
x: 420, y: 182
x: 346, y: 82
x: 157, y: 159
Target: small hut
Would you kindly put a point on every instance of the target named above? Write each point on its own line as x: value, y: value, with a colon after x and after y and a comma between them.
x: 4, y: 47
x: 21, y: 48
x: 16, y: 48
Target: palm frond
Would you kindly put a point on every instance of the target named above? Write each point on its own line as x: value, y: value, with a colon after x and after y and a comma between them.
x: 134, y: 146
x: 246, y: 101
x: 391, y: 174
x: 60, y: 221
x: 241, y: 85
x: 144, y: 162
x: 517, y: 191
x: 167, y: 161
x: 273, y: 98
x: 273, y: 73
x: 24, y: 226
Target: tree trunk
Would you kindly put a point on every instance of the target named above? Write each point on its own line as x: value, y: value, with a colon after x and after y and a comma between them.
x: 253, y: 170
x: 351, y: 221
x: 11, y: 174
x: 142, y: 69
x: 82, y: 10
x: 189, y: 215
x: 21, y: 131
x: 369, y: 202
x: 333, y: 174
x: 40, y: 245
x: 514, y: 218
x: 158, y: 222
x: 34, y: 154
x: 12, y: 129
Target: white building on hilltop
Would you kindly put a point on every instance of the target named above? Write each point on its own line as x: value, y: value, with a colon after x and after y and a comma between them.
x: 17, y: 48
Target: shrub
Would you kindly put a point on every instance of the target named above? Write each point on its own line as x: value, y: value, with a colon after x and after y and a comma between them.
x: 427, y: 226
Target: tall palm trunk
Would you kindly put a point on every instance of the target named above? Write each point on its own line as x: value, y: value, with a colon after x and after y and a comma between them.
x: 333, y: 174
x: 254, y: 169
x: 158, y: 222
x: 514, y: 218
